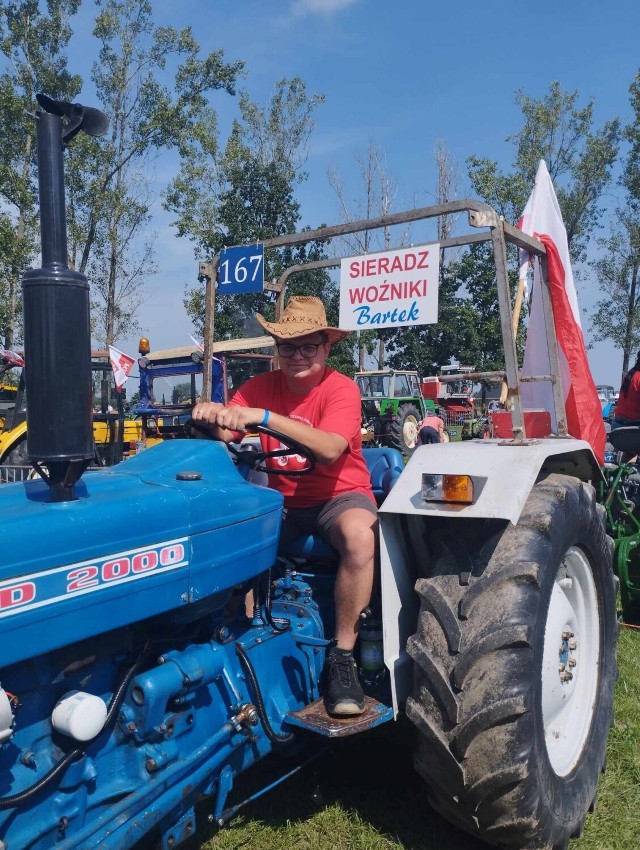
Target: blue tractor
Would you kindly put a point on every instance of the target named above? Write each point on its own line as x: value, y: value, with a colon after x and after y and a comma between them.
x: 133, y: 685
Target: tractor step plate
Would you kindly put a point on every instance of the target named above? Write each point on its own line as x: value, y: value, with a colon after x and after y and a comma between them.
x: 314, y: 717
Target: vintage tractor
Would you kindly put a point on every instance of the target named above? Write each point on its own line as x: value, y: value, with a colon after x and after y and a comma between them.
x: 234, y: 362
x: 619, y: 492
x: 452, y: 391
x: 392, y: 408
x: 132, y: 683
x: 113, y: 433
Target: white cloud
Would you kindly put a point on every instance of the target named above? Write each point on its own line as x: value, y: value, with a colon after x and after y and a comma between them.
x: 321, y: 7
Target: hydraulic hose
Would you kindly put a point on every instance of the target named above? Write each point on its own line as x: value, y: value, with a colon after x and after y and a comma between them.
x: 77, y: 753
x: 272, y: 735
x: 283, y: 625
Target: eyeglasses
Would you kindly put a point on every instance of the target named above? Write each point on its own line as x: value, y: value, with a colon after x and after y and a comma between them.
x: 307, y: 349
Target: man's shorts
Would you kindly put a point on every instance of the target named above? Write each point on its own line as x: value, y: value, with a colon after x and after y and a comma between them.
x: 320, y: 518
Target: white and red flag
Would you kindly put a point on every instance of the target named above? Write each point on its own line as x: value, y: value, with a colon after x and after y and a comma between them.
x: 11, y: 357
x: 122, y: 365
x: 542, y: 218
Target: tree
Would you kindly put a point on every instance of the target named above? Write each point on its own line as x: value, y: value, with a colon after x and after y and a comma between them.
x: 247, y: 194
x: 631, y: 175
x: 579, y: 157
x: 111, y: 198
x: 616, y: 317
x: 468, y: 326
x: 376, y: 200
x: 32, y: 43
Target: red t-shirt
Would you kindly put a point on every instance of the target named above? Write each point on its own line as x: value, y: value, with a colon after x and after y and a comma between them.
x: 629, y: 405
x: 334, y: 406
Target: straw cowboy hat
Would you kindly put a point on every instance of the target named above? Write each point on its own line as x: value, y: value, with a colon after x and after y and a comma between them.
x: 304, y: 314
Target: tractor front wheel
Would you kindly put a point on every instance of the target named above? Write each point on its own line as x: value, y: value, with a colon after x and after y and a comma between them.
x: 404, y: 429
x: 515, y: 669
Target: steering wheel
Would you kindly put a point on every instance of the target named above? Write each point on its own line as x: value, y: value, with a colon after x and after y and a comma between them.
x: 255, y: 458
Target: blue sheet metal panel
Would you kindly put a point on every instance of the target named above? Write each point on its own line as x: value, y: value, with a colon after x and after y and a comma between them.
x: 226, y: 557
x: 125, y: 549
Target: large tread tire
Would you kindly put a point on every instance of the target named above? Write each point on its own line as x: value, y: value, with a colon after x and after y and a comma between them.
x: 478, y: 651
x: 18, y: 455
x: 403, y: 431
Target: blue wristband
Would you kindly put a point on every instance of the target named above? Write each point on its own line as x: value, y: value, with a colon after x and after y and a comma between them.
x: 265, y: 418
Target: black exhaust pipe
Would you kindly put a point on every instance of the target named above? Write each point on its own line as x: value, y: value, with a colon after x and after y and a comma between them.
x: 56, y: 317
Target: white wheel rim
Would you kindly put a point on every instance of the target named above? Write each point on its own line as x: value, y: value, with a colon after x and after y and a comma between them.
x: 410, y: 431
x: 571, y: 660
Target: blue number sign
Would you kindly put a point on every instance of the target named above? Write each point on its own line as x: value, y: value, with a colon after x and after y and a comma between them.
x: 241, y: 269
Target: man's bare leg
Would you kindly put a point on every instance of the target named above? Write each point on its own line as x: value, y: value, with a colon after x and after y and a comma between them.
x: 354, y: 536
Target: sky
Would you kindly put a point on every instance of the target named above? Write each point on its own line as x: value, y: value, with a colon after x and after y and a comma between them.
x: 403, y: 76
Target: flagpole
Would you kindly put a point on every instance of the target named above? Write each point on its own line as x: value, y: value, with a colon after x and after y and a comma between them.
x: 515, y: 321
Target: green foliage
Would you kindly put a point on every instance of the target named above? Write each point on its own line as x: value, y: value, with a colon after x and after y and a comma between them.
x: 181, y: 393
x: 32, y: 46
x: 631, y: 175
x: 579, y: 158
x: 616, y: 317
x: 468, y: 324
x: 109, y: 192
x: 246, y: 194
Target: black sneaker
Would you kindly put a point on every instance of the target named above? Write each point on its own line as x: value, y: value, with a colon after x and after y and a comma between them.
x: 343, y: 693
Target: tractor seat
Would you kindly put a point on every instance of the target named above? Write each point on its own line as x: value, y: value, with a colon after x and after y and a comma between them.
x: 625, y: 439
x: 385, y: 467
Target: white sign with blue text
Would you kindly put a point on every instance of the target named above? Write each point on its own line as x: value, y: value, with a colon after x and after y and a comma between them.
x: 391, y: 289
x: 241, y: 269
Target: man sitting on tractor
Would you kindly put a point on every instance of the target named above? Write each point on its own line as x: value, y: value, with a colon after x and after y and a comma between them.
x: 320, y: 408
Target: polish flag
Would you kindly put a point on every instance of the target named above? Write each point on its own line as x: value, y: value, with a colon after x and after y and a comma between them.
x: 542, y: 218
x: 122, y: 365
x: 11, y: 357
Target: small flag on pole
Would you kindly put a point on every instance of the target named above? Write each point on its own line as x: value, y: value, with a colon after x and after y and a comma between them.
x: 122, y: 365
x: 11, y: 357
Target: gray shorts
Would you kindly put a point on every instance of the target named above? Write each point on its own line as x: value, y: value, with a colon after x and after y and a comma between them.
x: 320, y: 518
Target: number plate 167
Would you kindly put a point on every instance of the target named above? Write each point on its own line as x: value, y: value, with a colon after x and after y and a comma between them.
x: 241, y: 269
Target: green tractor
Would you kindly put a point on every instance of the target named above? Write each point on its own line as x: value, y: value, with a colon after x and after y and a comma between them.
x: 392, y: 408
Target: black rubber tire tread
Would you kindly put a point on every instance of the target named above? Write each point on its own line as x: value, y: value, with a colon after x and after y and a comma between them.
x: 17, y: 456
x: 478, y: 650
x: 396, y: 435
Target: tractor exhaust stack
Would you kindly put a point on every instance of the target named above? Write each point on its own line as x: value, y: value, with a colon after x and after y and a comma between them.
x: 56, y: 317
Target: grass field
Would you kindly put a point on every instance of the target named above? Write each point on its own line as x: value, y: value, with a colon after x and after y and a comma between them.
x: 364, y: 795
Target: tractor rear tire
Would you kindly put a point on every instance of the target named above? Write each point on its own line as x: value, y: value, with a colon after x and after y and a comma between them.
x: 404, y: 429
x: 515, y: 669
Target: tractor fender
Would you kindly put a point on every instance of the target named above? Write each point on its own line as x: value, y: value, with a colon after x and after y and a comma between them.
x: 9, y: 440
x: 503, y: 473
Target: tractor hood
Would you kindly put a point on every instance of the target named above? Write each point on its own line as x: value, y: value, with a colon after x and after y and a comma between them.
x: 186, y: 520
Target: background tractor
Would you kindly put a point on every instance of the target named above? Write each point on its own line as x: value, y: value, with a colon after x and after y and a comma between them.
x: 392, y: 408
x: 163, y: 372
x: 113, y: 434
x: 133, y: 685
x: 452, y: 391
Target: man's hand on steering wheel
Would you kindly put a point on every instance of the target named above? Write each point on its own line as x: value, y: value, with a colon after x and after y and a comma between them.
x: 256, y: 458
x: 233, y: 418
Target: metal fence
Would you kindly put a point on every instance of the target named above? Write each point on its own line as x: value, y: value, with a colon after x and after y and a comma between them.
x: 456, y: 417
x: 9, y: 474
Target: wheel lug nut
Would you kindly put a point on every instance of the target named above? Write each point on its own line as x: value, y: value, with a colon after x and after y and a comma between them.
x: 572, y: 662
x: 573, y: 644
